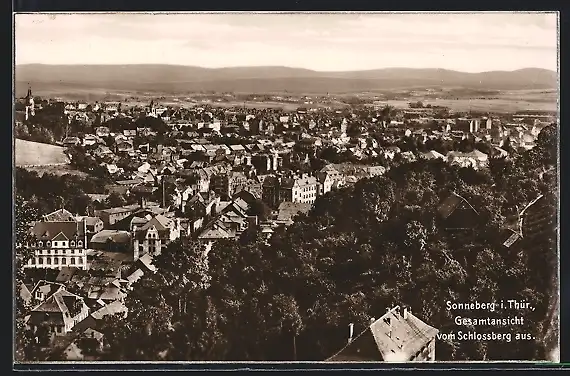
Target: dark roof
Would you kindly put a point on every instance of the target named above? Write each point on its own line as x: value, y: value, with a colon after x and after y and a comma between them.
x: 538, y: 217
x: 50, y: 230
x: 453, y: 202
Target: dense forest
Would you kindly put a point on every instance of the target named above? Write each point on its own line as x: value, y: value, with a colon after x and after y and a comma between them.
x: 359, y: 251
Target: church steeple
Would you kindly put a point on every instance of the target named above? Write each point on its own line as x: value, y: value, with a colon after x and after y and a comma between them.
x: 30, y: 111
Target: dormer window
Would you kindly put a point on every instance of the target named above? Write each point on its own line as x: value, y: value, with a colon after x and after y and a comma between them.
x: 73, y: 243
x: 40, y: 244
x: 48, y: 244
x: 80, y: 243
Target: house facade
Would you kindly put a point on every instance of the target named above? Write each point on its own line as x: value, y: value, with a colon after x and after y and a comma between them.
x: 59, y: 244
x: 59, y: 313
x: 392, y: 338
x: 153, y: 236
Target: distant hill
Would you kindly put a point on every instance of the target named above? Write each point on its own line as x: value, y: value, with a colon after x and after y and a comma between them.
x: 185, y: 79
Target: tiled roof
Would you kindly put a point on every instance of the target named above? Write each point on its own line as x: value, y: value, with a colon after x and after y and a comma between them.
x: 392, y: 336
x: 451, y: 203
x: 60, y: 215
x: 49, y: 230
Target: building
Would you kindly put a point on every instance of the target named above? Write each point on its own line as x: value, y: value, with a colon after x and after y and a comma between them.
x: 59, y: 312
x: 457, y: 214
x: 538, y: 219
x: 395, y: 337
x: 288, y: 210
x: 301, y: 189
x: 228, y: 184
x: 59, y: 244
x: 60, y: 215
x: 92, y: 225
x: 328, y: 178
x: 111, y: 241
x: 29, y: 102
x: 114, y: 215
x: 270, y: 191
x: 467, y: 125
x: 154, y: 235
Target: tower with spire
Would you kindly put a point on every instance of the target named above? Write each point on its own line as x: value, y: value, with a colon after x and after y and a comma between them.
x: 30, y: 111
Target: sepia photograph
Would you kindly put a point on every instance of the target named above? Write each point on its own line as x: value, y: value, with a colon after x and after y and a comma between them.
x: 294, y: 187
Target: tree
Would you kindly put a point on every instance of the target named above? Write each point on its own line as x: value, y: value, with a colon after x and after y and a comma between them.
x: 260, y: 209
x: 115, y: 200
x: 24, y: 214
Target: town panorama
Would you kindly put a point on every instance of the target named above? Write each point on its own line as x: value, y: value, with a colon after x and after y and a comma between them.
x: 399, y: 224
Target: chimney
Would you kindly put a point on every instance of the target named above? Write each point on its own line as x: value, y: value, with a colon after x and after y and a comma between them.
x: 351, y: 332
x: 405, y: 313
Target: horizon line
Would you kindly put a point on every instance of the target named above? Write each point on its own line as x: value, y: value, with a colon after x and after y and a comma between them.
x: 286, y: 67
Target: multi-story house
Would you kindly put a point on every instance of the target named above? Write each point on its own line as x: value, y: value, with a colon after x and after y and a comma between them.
x: 59, y: 312
x: 114, y: 215
x: 328, y: 178
x: 394, y: 337
x: 59, y: 244
x: 270, y: 191
x: 92, y: 225
x: 301, y: 189
x: 227, y: 184
x: 154, y: 235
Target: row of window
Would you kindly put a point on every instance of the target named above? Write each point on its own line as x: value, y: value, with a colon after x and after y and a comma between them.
x: 58, y: 251
x: 56, y: 261
x: 57, y: 244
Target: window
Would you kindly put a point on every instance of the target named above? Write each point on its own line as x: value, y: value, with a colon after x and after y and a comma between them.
x: 40, y: 260
x: 81, y: 260
x: 56, y: 260
x: 40, y: 244
x: 63, y: 261
x: 73, y: 243
x: 48, y: 244
x: 73, y: 261
x: 55, y: 244
x: 48, y: 259
x: 80, y: 243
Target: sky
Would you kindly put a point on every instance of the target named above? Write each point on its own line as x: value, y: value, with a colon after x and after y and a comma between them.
x: 325, y: 42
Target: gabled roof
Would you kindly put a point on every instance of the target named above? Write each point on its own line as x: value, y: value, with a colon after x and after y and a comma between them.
x: 58, y: 302
x: 60, y: 215
x: 47, y: 288
x: 49, y: 230
x: 160, y: 222
x: 451, y: 203
x: 392, y: 337
x: 60, y: 237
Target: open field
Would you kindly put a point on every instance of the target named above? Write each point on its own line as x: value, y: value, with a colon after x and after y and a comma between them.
x: 29, y: 153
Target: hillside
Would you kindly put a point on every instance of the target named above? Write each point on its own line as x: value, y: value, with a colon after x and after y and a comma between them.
x: 29, y: 153
x: 183, y: 79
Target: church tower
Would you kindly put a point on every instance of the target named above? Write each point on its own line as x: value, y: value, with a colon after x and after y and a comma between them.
x: 30, y: 111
